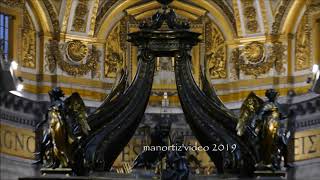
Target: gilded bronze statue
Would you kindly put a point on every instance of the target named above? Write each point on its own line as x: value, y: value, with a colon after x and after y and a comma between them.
x: 262, y: 120
x: 67, y: 126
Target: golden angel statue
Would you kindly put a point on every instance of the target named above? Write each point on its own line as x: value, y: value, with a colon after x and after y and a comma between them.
x: 262, y: 121
x: 67, y: 126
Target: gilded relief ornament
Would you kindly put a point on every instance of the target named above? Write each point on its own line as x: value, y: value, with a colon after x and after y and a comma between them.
x: 254, y: 52
x: 55, y: 57
x: 253, y: 59
x: 115, y: 50
x: 216, y: 58
x: 277, y: 56
x: 28, y: 42
x: 50, y: 57
x: 76, y: 50
x: 80, y: 17
x: 13, y: 3
x: 303, y: 45
x: 54, y: 19
x: 103, y: 8
x: 279, y: 15
x: 250, y: 14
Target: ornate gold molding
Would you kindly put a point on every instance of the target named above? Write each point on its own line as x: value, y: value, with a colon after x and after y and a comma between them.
x: 103, y: 10
x: 250, y: 14
x: 54, y: 57
x: 54, y: 19
x: 264, y: 16
x: 76, y: 50
x: 216, y: 58
x: 237, y: 17
x: 253, y: 58
x: 93, y: 17
x: 28, y: 42
x: 227, y: 11
x: 279, y: 16
x: 80, y: 16
x: 66, y: 16
x: 303, y: 45
x: 13, y: 3
x: 115, y: 55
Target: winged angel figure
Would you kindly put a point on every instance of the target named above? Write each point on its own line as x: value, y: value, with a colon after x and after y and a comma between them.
x: 67, y: 126
x: 262, y: 121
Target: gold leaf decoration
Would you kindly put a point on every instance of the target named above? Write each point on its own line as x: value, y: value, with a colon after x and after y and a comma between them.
x: 216, y: 58
x: 303, y: 46
x: 13, y: 3
x: 252, y: 59
x: 250, y: 14
x: 54, y: 17
x: 76, y: 50
x: 115, y: 50
x: 280, y: 14
x: 80, y: 17
x: 55, y: 57
x: 28, y: 42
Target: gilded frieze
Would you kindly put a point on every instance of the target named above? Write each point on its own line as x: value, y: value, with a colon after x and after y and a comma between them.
x: 80, y: 16
x: 250, y: 15
x: 303, y: 44
x: 255, y: 59
x: 115, y: 50
x: 60, y: 55
x: 28, y: 42
x: 216, y: 59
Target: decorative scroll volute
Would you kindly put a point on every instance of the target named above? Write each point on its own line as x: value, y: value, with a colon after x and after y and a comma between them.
x: 115, y: 50
x: 216, y: 58
x: 28, y: 42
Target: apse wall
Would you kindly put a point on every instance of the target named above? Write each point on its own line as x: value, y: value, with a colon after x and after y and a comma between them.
x: 80, y: 45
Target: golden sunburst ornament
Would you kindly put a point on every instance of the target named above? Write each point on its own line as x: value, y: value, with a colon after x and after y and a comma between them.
x: 77, y: 50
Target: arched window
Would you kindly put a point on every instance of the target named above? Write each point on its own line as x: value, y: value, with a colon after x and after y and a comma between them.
x: 5, y: 36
